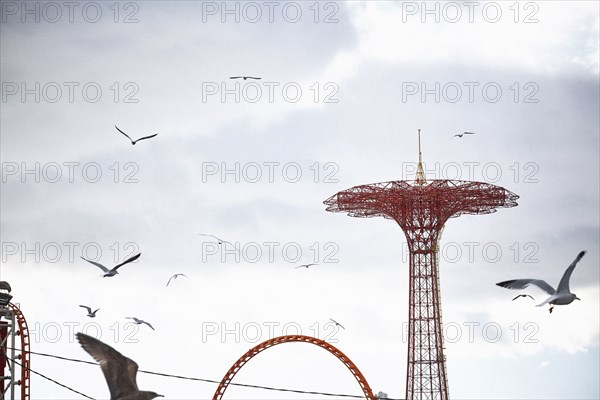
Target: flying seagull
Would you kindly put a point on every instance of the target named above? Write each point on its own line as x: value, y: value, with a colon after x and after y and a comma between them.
x: 561, y: 296
x: 113, y: 272
x: 244, y: 77
x: 336, y: 323
x: 135, y: 141
x: 523, y: 295
x: 89, y: 310
x: 219, y: 241
x: 120, y: 372
x: 175, y: 277
x: 139, y: 322
x: 464, y: 133
x: 304, y: 266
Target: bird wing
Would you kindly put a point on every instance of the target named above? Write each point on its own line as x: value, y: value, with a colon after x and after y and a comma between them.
x: 563, y: 285
x: 132, y: 369
x: 523, y: 283
x: 119, y: 371
x: 144, y: 322
x: 212, y: 236
x: 234, y: 77
x: 89, y: 310
x: 252, y: 77
x: 337, y: 323
x: 96, y: 311
x: 468, y: 133
x: 128, y: 261
x: 126, y: 135
x: 170, y: 280
x: 146, y: 137
x: 102, y: 267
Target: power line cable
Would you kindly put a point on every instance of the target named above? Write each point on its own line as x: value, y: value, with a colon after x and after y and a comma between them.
x: 212, y: 381
x: 53, y: 381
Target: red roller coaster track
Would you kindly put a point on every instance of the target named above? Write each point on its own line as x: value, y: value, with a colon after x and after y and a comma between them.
x: 287, y: 339
x: 23, y: 354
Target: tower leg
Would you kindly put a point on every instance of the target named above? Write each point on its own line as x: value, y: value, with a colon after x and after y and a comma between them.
x: 426, y: 367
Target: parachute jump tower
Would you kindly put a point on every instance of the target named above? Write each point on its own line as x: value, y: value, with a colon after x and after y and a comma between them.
x: 421, y: 208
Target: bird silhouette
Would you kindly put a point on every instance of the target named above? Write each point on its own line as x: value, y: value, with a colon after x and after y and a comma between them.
x: 119, y: 371
x: 244, y: 77
x: 336, y: 323
x: 112, y: 272
x: 89, y: 310
x: 219, y: 240
x: 523, y: 295
x: 304, y: 266
x: 135, y: 141
x: 464, y: 133
x: 174, y: 277
x: 139, y: 322
x: 561, y: 296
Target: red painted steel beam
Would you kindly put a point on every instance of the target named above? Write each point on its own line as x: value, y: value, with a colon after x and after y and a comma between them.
x: 289, y: 339
x: 421, y: 210
x: 24, y: 355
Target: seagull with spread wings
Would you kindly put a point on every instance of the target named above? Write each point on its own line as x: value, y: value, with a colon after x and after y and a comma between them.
x: 464, y: 133
x: 175, y: 277
x: 112, y: 272
x: 135, y: 141
x: 89, y: 310
x: 523, y: 295
x: 304, y: 265
x: 244, y: 77
x: 219, y: 240
x: 139, y: 322
x: 560, y: 297
x: 336, y: 323
x: 119, y: 371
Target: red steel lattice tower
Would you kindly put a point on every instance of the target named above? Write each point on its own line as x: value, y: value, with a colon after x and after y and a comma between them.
x: 421, y: 208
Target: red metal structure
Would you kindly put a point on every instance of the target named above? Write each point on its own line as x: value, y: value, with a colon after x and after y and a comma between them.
x: 12, y: 324
x: 421, y: 209
x: 288, y: 339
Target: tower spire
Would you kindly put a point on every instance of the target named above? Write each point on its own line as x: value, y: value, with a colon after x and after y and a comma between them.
x: 420, y: 178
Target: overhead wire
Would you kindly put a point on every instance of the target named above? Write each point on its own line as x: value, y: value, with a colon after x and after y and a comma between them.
x: 53, y: 381
x: 200, y: 380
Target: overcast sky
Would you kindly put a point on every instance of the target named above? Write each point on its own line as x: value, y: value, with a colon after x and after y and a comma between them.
x: 344, y: 88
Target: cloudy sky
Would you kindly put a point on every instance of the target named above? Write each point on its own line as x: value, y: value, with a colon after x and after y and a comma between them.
x: 344, y: 88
